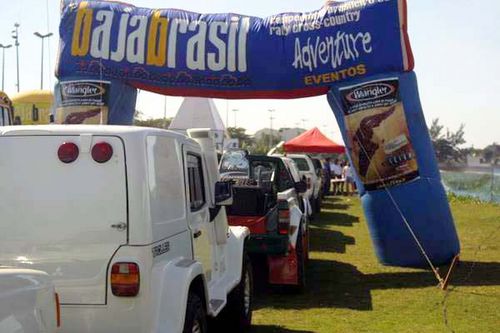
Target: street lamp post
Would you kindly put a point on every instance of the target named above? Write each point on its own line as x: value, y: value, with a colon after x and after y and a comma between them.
x: 3, y: 63
x: 234, y: 111
x: 271, y: 127
x: 165, y: 113
x: 42, y: 37
x: 303, y: 123
x: 15, y: 36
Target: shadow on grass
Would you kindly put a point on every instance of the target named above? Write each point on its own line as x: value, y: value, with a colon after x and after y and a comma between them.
x: 274, y: 329
x: 334, y: 204
x: 333, y: 284
x: 330, y: 284
x: 467, y: 273
x: 326, y: 240
x: 335, y: 219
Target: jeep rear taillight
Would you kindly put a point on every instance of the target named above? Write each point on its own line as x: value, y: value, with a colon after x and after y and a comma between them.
x: 102, y: 152
x: 125, y: 279
x: 68, y: 152
x: 283, y: 217
x: 308, y: 182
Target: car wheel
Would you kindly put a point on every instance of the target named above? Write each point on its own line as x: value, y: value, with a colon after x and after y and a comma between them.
x: 196, y: 319
x: 306, y: 244
x: 317, y: 208
x: 237, y: 315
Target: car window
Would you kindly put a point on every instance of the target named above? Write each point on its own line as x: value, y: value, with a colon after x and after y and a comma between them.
x: 262, y: 171
x: 285, y: 178
x: 292, y: 167
x: 301, y: 163
x: 166, y: 205
x: 317, y: 164
x: 196, y: 184
x: 1, y: 116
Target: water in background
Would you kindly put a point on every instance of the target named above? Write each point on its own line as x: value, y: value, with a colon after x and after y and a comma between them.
x: 484, y: 184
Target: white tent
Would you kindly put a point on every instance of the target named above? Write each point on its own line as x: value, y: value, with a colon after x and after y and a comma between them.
x: 198, y: 112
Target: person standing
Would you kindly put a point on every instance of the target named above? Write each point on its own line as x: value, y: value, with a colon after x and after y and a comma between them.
x: 336, y: 171
x: 328, y: 177
x: 349, y: 179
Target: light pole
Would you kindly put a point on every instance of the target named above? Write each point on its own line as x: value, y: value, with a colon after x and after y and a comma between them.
x: 234, y: 111
x: 3, y: 63
x: 42, y: 37
x: 15, y: 36
x: 303, y: 123
x: 165, y: 113
x: 227, y: 113
x: 271, y: 127
x: 297, y: 128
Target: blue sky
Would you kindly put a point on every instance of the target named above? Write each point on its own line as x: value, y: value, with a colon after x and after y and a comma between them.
x: 456, y: 44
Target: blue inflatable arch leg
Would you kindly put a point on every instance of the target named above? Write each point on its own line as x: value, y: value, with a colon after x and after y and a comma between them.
x: 395, y: 169
x: 90, y: 101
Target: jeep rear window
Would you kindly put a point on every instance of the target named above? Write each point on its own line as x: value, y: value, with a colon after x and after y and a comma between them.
x: 163, y: 164
x: 301, y: 163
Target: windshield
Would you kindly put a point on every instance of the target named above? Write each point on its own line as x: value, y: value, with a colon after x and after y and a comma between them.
x: 301, y: 163
x: 234, y: 162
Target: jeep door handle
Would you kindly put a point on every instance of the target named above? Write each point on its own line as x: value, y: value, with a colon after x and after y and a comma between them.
x: 119, y: 226
x: 197, y: 234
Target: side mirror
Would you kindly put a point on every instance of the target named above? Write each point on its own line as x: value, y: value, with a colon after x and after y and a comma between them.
x: 301, y: 187
x: 223, y: 193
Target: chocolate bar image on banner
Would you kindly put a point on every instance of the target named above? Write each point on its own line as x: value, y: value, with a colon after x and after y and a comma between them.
x: 79, y: 117
x: 363, y: 137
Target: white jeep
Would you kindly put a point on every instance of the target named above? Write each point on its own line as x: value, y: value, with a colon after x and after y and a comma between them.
x: 128, y: 223
x: 28, y: 302
x: 307, y: 170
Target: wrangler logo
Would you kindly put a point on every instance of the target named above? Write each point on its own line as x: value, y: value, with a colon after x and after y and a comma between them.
x: 370, y: 92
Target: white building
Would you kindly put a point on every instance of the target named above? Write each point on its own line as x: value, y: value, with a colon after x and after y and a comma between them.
x: 199, y: 112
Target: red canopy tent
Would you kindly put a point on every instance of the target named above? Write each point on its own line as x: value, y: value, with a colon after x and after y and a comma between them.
x: 313, y: 141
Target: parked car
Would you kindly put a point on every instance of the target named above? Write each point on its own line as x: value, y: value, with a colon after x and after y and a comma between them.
x: 6, y: 110
x: 28, y: 302
x: 267, y: 201
x: 130, y: 225
x: 308, y: 170
x: 318, y: 167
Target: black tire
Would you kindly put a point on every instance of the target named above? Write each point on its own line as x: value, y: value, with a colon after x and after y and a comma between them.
x: 237, y: 315
x: 308, y: 245
x: 301, y: 262
x: 196, y: 318
x: 317, y: 208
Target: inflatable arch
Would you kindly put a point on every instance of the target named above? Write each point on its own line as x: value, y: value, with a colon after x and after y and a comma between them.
x: 357, y: 52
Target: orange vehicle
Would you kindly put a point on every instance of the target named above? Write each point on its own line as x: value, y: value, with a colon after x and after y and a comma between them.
x: 6, y: 114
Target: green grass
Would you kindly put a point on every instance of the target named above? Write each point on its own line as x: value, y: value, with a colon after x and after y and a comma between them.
x: 349, y: 291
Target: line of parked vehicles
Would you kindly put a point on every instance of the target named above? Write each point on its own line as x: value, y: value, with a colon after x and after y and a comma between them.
x: 128, y: 229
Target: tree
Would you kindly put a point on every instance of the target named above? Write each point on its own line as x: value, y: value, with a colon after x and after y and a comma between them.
x: 239, y: 133
x: 261, y: 145
x: 447, y: 145
x: 491, y: 154
x: 151, y: 122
